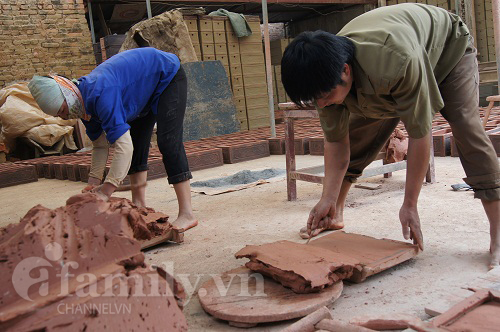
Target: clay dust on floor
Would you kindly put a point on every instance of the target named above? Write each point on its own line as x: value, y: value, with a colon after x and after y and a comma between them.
x: 455, y: 232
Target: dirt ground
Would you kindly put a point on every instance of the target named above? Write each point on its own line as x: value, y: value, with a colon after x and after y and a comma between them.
x: 454, y: 225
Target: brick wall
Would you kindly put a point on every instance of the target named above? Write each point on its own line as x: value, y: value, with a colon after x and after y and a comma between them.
x: 38, y: 37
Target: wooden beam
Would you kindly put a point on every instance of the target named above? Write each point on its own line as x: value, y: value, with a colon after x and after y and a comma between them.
x: 102, y: 21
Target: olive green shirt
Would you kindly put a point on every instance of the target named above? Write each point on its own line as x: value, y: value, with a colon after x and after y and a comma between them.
x: 402, y: 53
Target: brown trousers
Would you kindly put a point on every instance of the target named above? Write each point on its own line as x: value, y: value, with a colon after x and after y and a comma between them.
x: 460, y: 93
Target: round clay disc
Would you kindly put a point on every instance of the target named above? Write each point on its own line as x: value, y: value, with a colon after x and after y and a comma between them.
x: 239, y: 296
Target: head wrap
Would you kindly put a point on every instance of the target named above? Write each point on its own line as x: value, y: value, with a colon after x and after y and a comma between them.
x: 73, y: 98
x: 51, y: 92
x: 47, y: 94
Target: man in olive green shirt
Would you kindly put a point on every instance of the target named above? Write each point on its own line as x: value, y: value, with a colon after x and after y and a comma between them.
x: 404, y: 62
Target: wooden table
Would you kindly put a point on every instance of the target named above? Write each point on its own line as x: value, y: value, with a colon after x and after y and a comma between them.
x: 315, y: 174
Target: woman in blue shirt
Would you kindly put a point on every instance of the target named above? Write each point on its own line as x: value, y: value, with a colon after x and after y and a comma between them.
x: 119, y: 103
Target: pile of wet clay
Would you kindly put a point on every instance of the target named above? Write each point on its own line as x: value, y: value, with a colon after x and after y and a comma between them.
x: 80, y: 267
x: 308, y: 268
x: 303, y: 268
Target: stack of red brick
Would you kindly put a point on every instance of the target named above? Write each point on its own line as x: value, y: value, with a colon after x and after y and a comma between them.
x: 12, y: 174
x: 228, y: 149
x: 442, y: 137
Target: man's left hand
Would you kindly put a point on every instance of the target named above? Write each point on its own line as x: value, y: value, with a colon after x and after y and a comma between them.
x: 104, y: 191
x: 410, y: 222
x: 99, y: 193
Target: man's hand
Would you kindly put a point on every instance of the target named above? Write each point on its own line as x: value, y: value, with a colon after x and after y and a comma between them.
x: 92, y: 183
x: 410, y: 222
x: 104, y: 191
x: 320, y: 216
x: 97, y: 191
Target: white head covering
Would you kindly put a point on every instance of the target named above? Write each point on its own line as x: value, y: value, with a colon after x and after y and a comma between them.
x: 47, y: 94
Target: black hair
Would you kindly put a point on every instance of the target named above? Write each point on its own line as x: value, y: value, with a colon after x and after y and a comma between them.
x: 313, y: 63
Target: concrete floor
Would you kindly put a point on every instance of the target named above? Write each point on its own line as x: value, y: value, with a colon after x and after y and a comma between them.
x: 454, y: 225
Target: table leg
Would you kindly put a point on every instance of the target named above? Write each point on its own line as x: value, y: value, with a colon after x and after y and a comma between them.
x: 291, y: 184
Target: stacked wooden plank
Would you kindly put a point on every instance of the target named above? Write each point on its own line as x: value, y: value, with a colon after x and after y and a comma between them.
x: 481, y: 31
x: 490, y: 34
x: 220, y: 42
x: 236, y: 75
x: 280, y: 95
x: 254, y: 76
x: 277, y: 49
x: 206, y: 36
x: 192, y: 25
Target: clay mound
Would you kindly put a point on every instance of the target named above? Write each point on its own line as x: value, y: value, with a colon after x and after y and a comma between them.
x: 396, y: 147
x: 303, y: 268
x: 140, y: 300
x: 51, y: 254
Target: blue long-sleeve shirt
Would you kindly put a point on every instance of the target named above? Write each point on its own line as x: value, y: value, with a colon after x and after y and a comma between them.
x: 118, y: 90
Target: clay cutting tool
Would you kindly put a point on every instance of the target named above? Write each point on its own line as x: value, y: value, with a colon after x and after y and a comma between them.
x: 310, y: 235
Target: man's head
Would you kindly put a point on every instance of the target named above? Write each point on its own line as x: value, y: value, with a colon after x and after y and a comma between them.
x: 316, y: 68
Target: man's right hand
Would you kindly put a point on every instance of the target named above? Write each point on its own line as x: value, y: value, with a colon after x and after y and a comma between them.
x: 320, y: 216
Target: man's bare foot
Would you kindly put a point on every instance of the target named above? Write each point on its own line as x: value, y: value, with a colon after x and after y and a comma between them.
x: 334, y: 225
x: 185, y: 222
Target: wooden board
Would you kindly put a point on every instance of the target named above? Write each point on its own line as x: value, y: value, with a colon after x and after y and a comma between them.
x: 470, y: 314
x: 490, y: 281
x: 447, y: 301
x: 170, y: 233
x: 242, y: 303
x: 210, y: 109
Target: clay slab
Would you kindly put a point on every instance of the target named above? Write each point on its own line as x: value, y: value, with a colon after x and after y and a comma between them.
x: 373, y: 255
x: 248, y: 298
x: 303, y: 268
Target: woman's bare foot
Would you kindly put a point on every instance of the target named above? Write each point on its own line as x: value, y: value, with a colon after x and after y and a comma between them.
x: 492, y: 209
x: 337, y: 223
x: 495, y: 254
x: 185, y: 222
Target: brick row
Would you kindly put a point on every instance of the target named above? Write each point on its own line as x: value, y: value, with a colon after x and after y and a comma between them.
x: 12, y: 174
x: 243, y: 146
